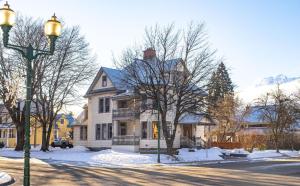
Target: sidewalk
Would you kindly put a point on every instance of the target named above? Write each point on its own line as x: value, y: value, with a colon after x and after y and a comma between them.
x: 5, y: 179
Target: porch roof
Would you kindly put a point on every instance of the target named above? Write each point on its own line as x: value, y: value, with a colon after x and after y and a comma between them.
x: 7, y: 125
x: 125, y: 95
x: 200, y: 119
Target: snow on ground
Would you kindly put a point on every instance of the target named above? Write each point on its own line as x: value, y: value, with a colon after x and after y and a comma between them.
x: 272, y: 154
x: 82, y: 156
x: 200, y: 155
x: 114, y: 158
x: 4, y: 178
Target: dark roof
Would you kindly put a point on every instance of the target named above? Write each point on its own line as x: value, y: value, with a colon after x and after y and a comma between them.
x: 115, y: 77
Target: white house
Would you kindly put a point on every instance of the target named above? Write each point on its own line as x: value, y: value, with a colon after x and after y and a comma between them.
x: 113, y: 118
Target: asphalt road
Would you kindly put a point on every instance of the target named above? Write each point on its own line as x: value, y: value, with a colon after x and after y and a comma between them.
x: 275, y: 172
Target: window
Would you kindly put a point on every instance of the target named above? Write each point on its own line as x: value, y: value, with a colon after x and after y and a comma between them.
x: 123, y: 129
x: 144, y: 102
x: 101, y: 105
x: 107, y: 104
x: 123, y: 104
x: 154, y: 104
x: 0, y: 133
x: 55, y: 133
x: 104, y: 81
x: 154, y: 130
x: 144, y: 130
x: 4, y: 134
x: 104, y: 105
x: 104, y: 132
x: 62, y: 121
x: 11, y: 133
x: 98, y: 131
x: 0, y: 119
x: 83, y: 132
x: 109, y: 131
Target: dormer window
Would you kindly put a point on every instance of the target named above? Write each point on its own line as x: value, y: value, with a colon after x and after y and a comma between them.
x: 104, y: 81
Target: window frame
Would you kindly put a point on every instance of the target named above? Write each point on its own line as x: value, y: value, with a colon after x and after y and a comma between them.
x: 104, y: 81
x: 98, y: 135
x: 83, y: 133
x: 144, y: 130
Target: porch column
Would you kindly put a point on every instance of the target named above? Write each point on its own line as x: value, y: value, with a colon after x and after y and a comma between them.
x: 115, y: 128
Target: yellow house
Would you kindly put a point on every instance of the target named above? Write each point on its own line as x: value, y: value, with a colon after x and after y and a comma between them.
x: 8, y: 134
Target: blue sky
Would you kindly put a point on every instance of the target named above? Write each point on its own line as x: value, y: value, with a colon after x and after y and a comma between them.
x: 257, y: 38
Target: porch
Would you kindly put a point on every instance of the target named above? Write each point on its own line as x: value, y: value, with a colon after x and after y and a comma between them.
x: 8, y: 135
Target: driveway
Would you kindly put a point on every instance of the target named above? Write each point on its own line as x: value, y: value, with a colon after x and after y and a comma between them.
x: 275, y: 172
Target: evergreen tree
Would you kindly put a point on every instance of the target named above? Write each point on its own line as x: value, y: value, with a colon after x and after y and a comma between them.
x: 220, y: 85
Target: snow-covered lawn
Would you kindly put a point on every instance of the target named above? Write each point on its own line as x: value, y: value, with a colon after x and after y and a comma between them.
x: 114, y: 158
x: 82, y: 156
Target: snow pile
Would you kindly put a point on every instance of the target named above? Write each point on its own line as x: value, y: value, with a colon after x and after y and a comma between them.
x: 238, y: 151
x: 199, y: 155
x: 264, y: 154
x: 4, y: 178
x: 290, y: 153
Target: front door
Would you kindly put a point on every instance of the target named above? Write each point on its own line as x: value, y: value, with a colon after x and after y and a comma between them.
x: 188, y: 131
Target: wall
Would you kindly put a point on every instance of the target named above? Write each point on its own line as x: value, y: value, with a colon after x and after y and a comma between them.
x: 76, y: 137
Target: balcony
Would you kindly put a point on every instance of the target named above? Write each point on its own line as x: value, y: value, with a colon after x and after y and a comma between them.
x: 126, y: 140
x: 125, y: 114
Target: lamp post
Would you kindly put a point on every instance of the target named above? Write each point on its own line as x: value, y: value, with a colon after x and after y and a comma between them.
x: 52, y: 31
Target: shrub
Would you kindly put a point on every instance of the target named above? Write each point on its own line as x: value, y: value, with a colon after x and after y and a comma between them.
x: 251, y: 141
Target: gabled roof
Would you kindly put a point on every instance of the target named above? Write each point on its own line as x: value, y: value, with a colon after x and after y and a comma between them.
x: 113, y: 75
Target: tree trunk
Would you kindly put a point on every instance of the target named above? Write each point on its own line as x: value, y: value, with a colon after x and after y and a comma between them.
x: 49, y: 134
x: 20, y: 137
x: 44, y: 138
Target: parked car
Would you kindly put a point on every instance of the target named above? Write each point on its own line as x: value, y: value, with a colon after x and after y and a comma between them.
x: 62, y: 143
x: 1, y: 144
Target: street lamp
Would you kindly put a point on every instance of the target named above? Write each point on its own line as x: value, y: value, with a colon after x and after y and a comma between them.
x: 52, y: 31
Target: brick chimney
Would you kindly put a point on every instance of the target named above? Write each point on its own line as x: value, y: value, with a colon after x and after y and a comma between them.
x: 149, y: 53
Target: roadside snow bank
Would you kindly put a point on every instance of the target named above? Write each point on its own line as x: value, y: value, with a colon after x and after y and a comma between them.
x: 272, y: 154
x: 4, y: 178
x: 199, y: 155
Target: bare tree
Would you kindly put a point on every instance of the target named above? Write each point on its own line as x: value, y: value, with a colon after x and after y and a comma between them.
x: 229, y: 114
x: 176, y: 78
x: 56, y: 79
x: 280, y: 111
x: 12, y: 72
x: 61, y: 77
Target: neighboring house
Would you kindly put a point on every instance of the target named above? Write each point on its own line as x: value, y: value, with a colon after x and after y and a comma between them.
x: 114, y: 118
x: 8, y: 133
x: 254, y: 124
x: 7, y: 128
x: 80, y: 128
x: 63, y: 126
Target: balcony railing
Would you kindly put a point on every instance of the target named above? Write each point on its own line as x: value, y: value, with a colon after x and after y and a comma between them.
x: 126, y: 140
x: 125, y: 113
